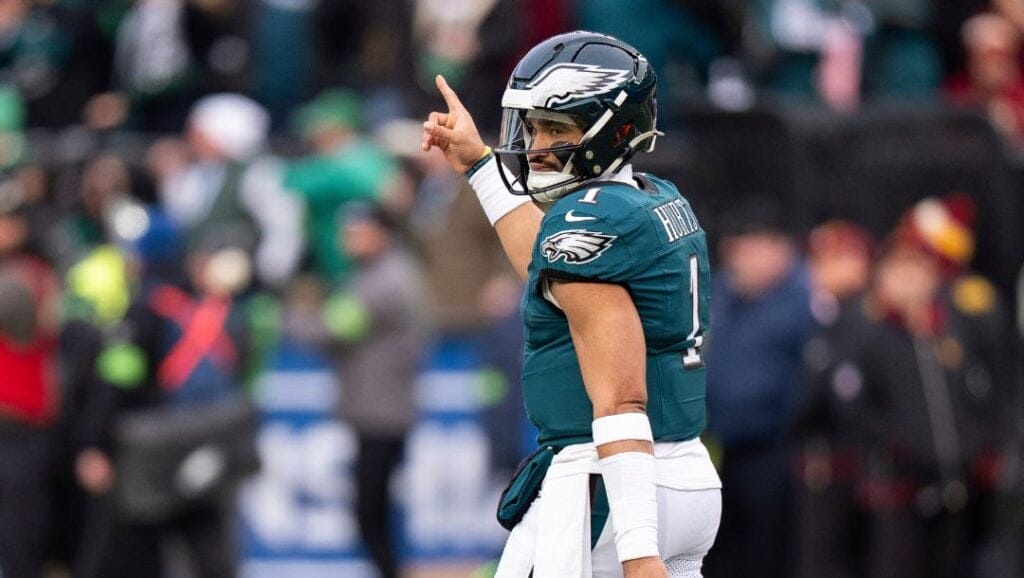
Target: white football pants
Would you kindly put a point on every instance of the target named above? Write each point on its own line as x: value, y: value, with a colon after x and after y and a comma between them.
x: 687, y: 524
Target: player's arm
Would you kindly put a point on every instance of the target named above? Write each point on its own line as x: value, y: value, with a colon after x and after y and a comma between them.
x: 517, y: 231
x: 515, y: 218
x: 609, y: 340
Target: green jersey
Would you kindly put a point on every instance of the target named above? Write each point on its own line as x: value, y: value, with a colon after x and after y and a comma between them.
x: 327, y: 182
x: 649, y: 242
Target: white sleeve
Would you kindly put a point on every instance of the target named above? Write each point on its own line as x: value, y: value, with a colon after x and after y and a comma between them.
x: 279, y: 215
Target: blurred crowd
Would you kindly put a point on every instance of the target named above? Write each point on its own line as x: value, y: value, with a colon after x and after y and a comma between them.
x: 864, y: 395
x: 186, y: 184
x: 139, y: 65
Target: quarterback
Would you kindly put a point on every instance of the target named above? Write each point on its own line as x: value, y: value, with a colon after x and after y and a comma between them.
x: 616, y: 307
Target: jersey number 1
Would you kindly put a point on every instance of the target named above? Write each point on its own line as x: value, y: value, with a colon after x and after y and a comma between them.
x: 692, y: 357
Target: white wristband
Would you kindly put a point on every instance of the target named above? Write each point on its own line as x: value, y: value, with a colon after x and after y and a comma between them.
x: 633, y: 501
x: 492, y: 193
x: 621, y: 426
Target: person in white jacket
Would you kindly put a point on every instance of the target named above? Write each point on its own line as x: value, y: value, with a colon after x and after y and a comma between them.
x: 234, y: 187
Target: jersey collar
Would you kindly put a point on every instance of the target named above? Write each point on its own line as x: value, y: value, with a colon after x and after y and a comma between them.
x: 624, y: 175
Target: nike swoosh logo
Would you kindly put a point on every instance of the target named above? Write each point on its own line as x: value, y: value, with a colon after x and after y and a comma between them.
x: 571, y: 218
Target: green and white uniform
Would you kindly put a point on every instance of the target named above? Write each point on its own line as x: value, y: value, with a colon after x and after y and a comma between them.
x: 603, y: 228
x: 648, y: 241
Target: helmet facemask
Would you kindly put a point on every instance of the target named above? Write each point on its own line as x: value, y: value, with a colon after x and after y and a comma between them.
x: 600, y: 152
x: 516, y: 150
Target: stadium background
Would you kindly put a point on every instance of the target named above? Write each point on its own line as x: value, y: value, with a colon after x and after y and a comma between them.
x: 852, y: 109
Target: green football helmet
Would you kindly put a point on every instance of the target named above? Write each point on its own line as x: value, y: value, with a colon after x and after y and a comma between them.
x: 603, y: 85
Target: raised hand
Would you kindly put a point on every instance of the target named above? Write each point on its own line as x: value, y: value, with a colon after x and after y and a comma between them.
x: 454, y: 132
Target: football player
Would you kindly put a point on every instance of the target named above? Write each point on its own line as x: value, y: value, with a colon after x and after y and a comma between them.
x: 616, y: 308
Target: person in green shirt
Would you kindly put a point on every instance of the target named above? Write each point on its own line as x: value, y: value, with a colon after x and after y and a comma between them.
x: 342, y: 167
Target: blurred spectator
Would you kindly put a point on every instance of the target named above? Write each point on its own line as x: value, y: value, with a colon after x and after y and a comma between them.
x: 901, y: 59
x: 283, y: 51
x: 930, y: 382
x: 948, y: 17
x: 153, y: 66
x: 477, y: 44
x: 231, y: 188
x: 762, y: 320
x: 446, y: 37
x: 89, y: 245
x: 367, y: 45
x: 992, y: 81
x: 219, y: 34
x: 372, y: 327
x: 105, y: 185
x: 474, y: 296
x: 54, y: 54
x: 844, y: 52
x: 168, y: 53
x: 1011, y: 10
x: 474, y: 45
x: 34, y: 184
x: 544, y: 19
x: 681, y: 39
x: 839, y: 262
x: 28, y: 394
x: 829, y: 524
x: 444, y: 216
x: 840, y: 72
x: 100, y: 288
x: 12, y: 120
x: 171, y: 374
x: 783, y: 45
x: 342, y: 167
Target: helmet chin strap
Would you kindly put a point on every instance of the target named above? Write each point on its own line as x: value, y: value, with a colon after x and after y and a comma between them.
x: 543, y: 180
x: 630, y: 149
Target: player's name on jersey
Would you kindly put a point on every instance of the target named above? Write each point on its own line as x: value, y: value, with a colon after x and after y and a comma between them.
x: 678, y: 219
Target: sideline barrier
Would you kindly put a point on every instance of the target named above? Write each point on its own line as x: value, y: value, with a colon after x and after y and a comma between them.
x: 297, y: 516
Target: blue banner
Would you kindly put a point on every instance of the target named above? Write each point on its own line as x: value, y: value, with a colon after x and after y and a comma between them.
x: 298, y: 516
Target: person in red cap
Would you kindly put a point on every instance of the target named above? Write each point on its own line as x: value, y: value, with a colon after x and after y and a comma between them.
x: 925, y: 371
x: 992, y: 80
x: 826, y: 434
x: 839, y: 259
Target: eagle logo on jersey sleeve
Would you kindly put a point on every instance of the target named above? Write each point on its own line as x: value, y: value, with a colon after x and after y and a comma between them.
x: 576, y: 246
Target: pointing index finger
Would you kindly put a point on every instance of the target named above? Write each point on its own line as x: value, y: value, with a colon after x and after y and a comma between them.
x: 450, y: 98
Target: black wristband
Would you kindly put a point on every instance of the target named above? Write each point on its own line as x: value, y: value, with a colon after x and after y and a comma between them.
x: 480, y: 163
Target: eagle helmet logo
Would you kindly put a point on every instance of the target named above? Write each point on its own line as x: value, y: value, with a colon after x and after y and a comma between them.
x: 576, y: 246
x: 564, y: 82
